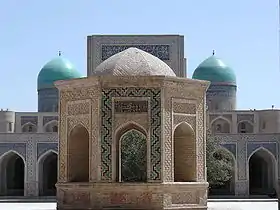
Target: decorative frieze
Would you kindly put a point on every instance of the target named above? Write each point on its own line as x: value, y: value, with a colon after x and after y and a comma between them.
x: 131, y: 106
x: 160, y: 51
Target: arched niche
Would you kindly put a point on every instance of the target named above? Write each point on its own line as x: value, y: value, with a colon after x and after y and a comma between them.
x: 262, y: 172
x: 245, y: 127
x: 131, y: 154
x: 184, y: 153
x: 47, y: 172
x: 29, y: 128
x: 220, y: 125
x: 51, y: 126
x: 12, y: 174
x: 78, y: 154
x: 227, y: 188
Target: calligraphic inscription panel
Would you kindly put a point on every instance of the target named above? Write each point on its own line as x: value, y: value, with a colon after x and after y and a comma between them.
x: 131, y: 106
x: 160, y: 51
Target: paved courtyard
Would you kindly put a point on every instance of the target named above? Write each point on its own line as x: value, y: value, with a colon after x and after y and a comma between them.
x: 212, y: 206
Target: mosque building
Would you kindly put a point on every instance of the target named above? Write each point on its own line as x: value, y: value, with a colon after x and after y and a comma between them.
x: 29, y: 140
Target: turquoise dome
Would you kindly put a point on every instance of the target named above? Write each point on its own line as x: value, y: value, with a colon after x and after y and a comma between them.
x: 216, y: 71
x: 57, y: 69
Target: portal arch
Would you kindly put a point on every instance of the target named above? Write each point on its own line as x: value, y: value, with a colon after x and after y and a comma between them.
x: 262, y: 166
x: 47, y: 173
x: 131, y: 153
x: 13, y: 172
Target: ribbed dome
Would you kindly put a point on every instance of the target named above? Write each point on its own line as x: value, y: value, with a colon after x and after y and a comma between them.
x: 57, y: 69
x: 133, y: 62
x: 215, y: 70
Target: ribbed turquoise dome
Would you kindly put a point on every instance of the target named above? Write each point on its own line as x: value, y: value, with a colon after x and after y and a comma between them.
x: 57, y: 69
x: 215, y: 70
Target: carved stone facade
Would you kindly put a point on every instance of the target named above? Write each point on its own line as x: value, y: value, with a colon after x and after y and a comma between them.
x: 106, y: 109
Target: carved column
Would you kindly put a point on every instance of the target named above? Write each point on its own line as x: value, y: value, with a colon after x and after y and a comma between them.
x: 31, y: 185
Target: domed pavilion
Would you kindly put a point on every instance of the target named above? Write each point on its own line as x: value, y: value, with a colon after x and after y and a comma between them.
x: 221, y: 95
x: 56, y: 69
x: 132, y: 136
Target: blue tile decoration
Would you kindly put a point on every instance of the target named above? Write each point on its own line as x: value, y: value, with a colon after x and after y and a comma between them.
x: 47, y: 119
x: 17, y: 147
x: 272, y: 147
x: 29, y: 119
x: 106, y: 128
x: 231, y: 148
x: 44, y: 147
x: 160, y: 51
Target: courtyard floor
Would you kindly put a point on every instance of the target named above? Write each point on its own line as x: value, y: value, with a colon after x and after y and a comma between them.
x: 212, y: 206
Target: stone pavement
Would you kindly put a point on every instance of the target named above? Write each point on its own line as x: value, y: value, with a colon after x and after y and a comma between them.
x: 212, y: 206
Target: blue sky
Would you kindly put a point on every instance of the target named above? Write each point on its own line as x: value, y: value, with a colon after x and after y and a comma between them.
x: 244, y: 33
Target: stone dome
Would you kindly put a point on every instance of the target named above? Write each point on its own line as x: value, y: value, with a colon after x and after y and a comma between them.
x: 215, y: 70
x: 57, y: 69
x: 133, y: 62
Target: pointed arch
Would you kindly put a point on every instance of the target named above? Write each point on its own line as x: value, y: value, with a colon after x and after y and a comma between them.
x: 184, y: 153
x: 262, y: 149
x: 128, y: 126
x: 262, y: 172
x: 126, y: 169
x: 220, y: 125
x: 11, y: 152
x: 51, y: 126
x: 245, y: 126
x: 29, y: 128
x: 78, y: 154
x: 47, y: 173
x: 222, y: 118
x: 13, y: 170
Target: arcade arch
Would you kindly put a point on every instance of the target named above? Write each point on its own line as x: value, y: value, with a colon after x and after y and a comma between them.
x: 78, y: 150
x: 29, y: 128
x: 12, y: 176
x: 262, y: 172
x: 220, y: 125
x: 51, y: 126
x: 184, y: 153
x: 131, y: 153
x: 245, y: 127
x: 47, y: 173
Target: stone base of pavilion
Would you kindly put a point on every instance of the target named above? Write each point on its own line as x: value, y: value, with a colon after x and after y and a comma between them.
x: 152, y: 196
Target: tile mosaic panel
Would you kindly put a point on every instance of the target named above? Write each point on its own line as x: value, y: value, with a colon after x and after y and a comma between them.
x: 44, y: 147
x: 230, y: 147
x: 47, y: 119
x: 272, y: 147
x: 29, y: 119
x: 160, y: 51
x: 18, y: 147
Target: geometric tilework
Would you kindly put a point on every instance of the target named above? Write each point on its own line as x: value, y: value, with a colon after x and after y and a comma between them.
x: 18, y: 147
x: 29, y: 119
x: 160, y: 51
x: 231, y: 148
x: 272, y: 147
x: 106, y: 127
x: 47, y: 119
x: 44, y: 147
